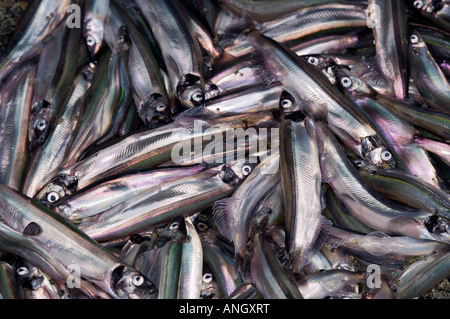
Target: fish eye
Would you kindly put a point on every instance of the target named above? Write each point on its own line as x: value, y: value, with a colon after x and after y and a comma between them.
x: 161, y: 108
x: 138, y: 280
x: 414, y: 38
x: 41, y: 125
x: 202, y: 226
x: 174, y: 225
x: 52, y: 197
x: 346, y: 82
x: 22, y: 271
x: 286, y: 103
x: 207, y: 278
x: 90, y: 41
x: 386, y: 156
x: 313, y: 60
x: 246, y: 169
x: 197, y: 96
x: 418, y: 4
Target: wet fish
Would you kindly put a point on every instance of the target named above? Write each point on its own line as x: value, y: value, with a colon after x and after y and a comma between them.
x: 181, y: 51
x: 50, y: 233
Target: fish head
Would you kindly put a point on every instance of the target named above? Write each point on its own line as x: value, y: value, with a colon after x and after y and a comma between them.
x: 210, y: 287
x: 39, y: 124
x: 93, y: 37
x: 56, y: 189
x: 190, y: 91
x: 351, y: 84
x: 320, y: 61
x: 155, y: 111
x: 428, y: 8
x: 174, y: 231
x: 376, y: 153
x: 127, y: 283
x: 123, y: 41
x: 381, y: 157
x: 236, y: 172
x: 365, y: 166
x: 438, y: 228
x: 418, y: 45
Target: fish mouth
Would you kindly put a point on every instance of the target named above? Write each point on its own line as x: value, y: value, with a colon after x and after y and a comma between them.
x: 154, y: 111
x: 131, y: 284
x: 190, y: 92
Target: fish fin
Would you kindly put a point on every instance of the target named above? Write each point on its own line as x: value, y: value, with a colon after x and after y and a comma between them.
x: 379, y: 249
x: 335, y: 239
x: 220, y: 217
x: 322, y: 237
x: 259, y: 68
x: 378, y: 234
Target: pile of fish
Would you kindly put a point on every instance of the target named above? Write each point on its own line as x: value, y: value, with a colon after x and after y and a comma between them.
x: 225, y: 149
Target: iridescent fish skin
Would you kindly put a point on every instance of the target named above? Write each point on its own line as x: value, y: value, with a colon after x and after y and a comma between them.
x: 181, y: 51
x: 42, y: 18
x: 313, y: 93
x: 427, y: 75
x: 341, y: 175
x: 49, y: 232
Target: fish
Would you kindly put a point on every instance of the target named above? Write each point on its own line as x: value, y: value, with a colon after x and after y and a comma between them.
x: 113, y: 103
x: 300, y: 188
x: 409, y: 189
x: 9, y: 288
x: 49, y: 158
x: 269, y: 276
x: 41, y: 19
x: 191, y: 272
x: 16, y: 103
x: 233, y: 215
x: 180, y: 50
x: 157, y: 205
x: 149, y: 91
x: 328, y: 283
x: 426, y: 73
x: 90, y: 201
x: 37, y: 225
x: 218, y: 254
x: 426, y: 273
x: 340, y: 174
x: 95, y: 12
x: 56, y: 71
x: 224, y: 149
x: 163, y: 263
x: 149, y: 149
x: 310, y: 91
